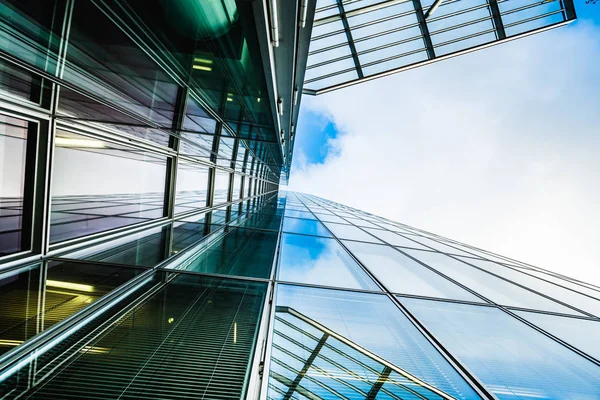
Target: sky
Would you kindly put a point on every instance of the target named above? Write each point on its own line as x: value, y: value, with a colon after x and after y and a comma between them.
x: 499, y: 148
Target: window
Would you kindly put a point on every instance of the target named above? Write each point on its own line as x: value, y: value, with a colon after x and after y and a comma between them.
x: 15, y: 232
x: 192, y: 182
x: 322, y: 261
x: 98, y: 185
x: 512, y: 360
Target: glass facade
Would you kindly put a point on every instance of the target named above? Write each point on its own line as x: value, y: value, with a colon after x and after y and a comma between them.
x: 146, y: 250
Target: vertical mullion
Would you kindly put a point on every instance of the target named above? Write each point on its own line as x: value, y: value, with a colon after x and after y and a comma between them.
x: 497, y: 18
x: 424, y: 29
x: 173, y: 162
x: 353, y: 51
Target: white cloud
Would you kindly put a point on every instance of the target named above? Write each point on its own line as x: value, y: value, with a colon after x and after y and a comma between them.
x: 499, y: 149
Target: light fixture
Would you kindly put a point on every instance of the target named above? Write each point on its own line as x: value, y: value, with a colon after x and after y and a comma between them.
x: 258, y: 99
x: 81, y: 143
x: 295, y: 95
x: 203, y: 60
x: 202, y: 68
x: 170, y: 320
x: 280, y: 106
x: 229, y: 99
x: 235, y: 332
x: 69, y: 285
x: 10, y: 343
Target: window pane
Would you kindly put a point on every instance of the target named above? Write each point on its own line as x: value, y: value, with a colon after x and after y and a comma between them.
x: 241, y: 252
x: 86, y: 196
x: 192, y: 181
x: 578, y: 332
x: 567, y: 296
x: 221, y: 186
x: 400, y: 274
x: 29, y: 304
x: 492, y: 287
x: 193, y: 338
x: 350, y: 232
x: 13, y: 148
x: 512, y: 360
x: 289, y: 212
x: 237, y: 187
x: 321, y: 261
x: 370, y: 321
x: 20, y: 82
x: 104, y: 61
x: 331, y: 218
x: 395, y: 240
x: 305, y: 226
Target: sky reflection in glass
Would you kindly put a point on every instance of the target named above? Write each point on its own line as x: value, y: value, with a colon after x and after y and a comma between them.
x: 308, y: 259
x: 512, y: 360
x: 373, y: 322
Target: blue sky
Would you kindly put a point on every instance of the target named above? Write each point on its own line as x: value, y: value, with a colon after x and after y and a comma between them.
x: 504, y: 156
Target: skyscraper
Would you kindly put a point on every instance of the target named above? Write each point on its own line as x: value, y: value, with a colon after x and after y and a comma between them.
x: 146, y: 250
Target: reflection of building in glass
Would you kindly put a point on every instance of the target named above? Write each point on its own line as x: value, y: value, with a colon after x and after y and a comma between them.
x: 146, y: 252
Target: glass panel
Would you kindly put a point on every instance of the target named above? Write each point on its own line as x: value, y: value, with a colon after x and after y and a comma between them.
x: 237, y: 187
x: 438, y: 246
x: 494, y: 288
x: 29, y: 304
x: 512, y: 360
x: 361, y: 222
x: 320, y: 261
x: 13, y: 154
x: 370, y: 321
x: 298, y: 214
x: 104, y: 61
x: 401, y: 274
x: 20, y: 82
x: 193, y: 338
x: 86, y: 197
x: 305, y: 226
x: 395, y: 239
x: 192, y: 181
x: 240, y: 252
x: 578, y: 332
x: 570, y: 297
x: 331, y: 218
x: 221, y: 186
x: 350, y: 232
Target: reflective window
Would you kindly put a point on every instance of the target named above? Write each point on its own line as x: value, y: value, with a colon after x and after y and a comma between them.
x: 331, y: 218
x: 395, y: 239
x: 361, y: 222
x: 512, y: 360
x: 237, y: 187
x: 400, y: 274
x: 570, y: 297
x: 199, y: 332
x: 31, y: 303
x: 578, y: 332
x: 14, y: 234
x: 192, y: 182
x: 348, y: 334
x: 240, y: 252
x: 322, y: 261
x: 304, y: 226
x: 221, y: 186
x: 350, y: 232
x: 492, y: 287
x: 104, y: 61
x: 437, y: 245
x: 20, y: 82
x: 289, y: 212
x: 86, y: 196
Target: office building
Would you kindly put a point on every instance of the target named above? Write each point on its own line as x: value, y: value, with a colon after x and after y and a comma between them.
x: 148, y: 251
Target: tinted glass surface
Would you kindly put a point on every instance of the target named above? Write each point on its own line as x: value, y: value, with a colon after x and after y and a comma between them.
x: 13, y: 154
x: 512, y: 360
x: 367, y: 320
x: 304, y: 226
x: 30, y: 304
x: 309, y: 259
x: 86, y: 197
x: 400, y: 274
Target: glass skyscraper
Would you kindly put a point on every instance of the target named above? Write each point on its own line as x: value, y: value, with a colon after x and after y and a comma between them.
x: 147, y: 251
